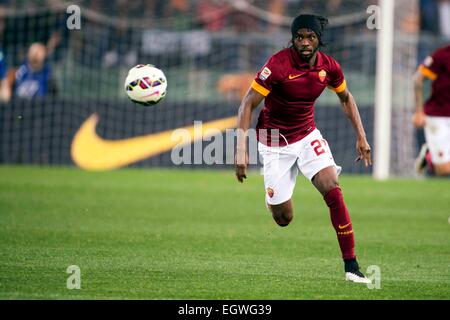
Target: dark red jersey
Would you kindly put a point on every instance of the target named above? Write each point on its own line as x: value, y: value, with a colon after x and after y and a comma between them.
x: 291, y: 87
x: 437, y: 68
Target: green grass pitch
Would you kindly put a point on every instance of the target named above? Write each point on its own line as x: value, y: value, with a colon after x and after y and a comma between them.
x: 171, y: 234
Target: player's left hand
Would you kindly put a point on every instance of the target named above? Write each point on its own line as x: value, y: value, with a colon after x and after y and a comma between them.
x: 364, y: 151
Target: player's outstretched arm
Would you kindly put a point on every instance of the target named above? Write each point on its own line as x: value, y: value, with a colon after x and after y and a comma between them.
x: 250, y: 101
x: 351, y: 110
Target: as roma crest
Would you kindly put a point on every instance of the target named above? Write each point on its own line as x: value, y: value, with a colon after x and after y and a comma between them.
x: 322, y: 75
x: 270, y: 192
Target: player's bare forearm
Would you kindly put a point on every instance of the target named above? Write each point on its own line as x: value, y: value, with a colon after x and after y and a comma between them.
x: 418, y: 90
x: 351, y: 110
x: 419, y: 116
x: 243, y: 123
x: 250, y: 101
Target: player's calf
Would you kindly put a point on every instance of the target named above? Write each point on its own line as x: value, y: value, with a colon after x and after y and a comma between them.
x: 341, y: 221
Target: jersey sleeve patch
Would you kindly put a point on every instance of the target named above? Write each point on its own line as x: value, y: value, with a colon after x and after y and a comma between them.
x: 260, y: 89
x: 265, y: 73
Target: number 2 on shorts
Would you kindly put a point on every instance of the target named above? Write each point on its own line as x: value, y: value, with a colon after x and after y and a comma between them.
x: 317, y: 145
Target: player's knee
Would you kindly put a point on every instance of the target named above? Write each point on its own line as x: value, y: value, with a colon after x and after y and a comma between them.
x: 442, y: 170
x: 283, y: 219
x: 282, y: 213
x: 325, y: 183
x: 330, y: 186
x: 283, y: 223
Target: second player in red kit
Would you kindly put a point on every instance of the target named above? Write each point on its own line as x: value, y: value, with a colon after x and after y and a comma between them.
x: 434, y: 115
x: 288, y: 140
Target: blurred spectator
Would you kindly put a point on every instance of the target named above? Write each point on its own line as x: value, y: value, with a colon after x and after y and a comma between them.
x: 277, y: 8
x: 180, y: 13
x: 179, y: 5
x: 435, y: 17
x: 5, y: 91
x: 156, y: 9
x: 429, y: 26
x: 34, y: 77
x: 234, y: 86
x: 444, y: 17
x: 428, y: 16
x: 212, y: 14
x: 244, y: 21
x: 120, y: 37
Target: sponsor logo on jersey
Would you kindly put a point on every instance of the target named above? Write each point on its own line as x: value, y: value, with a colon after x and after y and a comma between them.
x: 265, y: 73
x: 322, y: 75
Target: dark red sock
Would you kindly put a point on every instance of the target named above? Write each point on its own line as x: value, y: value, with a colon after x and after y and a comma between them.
x: 341, y: 222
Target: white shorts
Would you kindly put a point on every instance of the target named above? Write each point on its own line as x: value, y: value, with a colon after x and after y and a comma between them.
x: 281, y: 165
x: 437, y: 135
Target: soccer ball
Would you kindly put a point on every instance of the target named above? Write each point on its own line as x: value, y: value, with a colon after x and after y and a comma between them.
x: 145, y: 84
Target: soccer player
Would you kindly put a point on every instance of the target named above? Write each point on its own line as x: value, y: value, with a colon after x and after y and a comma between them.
x: 290, y: 82
x: 435, y: 116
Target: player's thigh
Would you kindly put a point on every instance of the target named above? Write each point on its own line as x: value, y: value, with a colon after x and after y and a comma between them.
x: 280, y: 174
x: 315, y: 155
x: 437, y: 135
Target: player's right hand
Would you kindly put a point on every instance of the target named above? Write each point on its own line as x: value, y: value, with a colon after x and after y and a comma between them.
x: 364, y: 151
x: 419, y: 120
x: 240, y: 163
